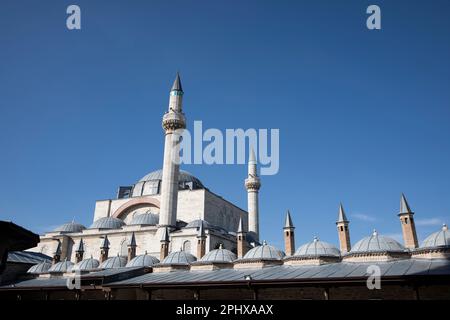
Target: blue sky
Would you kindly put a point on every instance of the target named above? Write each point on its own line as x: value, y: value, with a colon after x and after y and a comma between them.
x: 363, y: 115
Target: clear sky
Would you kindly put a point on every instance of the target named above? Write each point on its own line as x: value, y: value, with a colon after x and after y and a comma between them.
x: 363, y: 115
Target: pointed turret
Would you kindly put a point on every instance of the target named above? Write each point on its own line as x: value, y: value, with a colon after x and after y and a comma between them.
x: 343, y: 230
x: 104, y: 249
x: 79, y: 252
x: 404, y: 206
x: 288, y: 221
x: 241, y: 240
x: 165, y: 240
x: 132, y: 247
x: 289, y: 237
x: 408, y: 224
x: 177, y: 84
x: 341, y: 215
x: 201, y: 241
x: 57, y: 253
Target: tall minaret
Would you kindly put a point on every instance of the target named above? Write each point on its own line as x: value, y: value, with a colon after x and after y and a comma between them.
x: 253, y: 183
x: 289, y: 237
x: 343, y: 231
x: 173, y: 123
x: 408, y: 224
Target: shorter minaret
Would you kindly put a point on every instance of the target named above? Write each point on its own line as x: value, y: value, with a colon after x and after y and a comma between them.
x: 201, y: 241
x: 57, y: 253
x: 289, y: 237
x: 408, y: 225
x: 252, y: 184
x: 343, y: 231
x: 165, y: 240
x: 241, y: 240
x: 79, y: 252
x: 132, y: 247
x: 104, y: 249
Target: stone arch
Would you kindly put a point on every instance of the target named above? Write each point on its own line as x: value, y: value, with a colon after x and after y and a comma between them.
x: 136, y: 202
x: 187, y: 246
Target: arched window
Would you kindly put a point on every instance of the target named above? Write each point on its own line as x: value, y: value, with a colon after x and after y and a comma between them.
x: 187, y: 246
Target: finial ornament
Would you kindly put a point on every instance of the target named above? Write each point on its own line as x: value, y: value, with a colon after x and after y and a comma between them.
x: 264, y: 243
x: 444, y: 227
x: 375, y: 233
x: 220, y: 246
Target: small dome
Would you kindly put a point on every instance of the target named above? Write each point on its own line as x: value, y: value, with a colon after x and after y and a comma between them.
x: 143, y: 260
x: 196, y: 224
x: 62, y: 266
x: 40, y: 268
x: 219, y: 255
x: 440, y: 238
x: 183, y: 178
x: 86, y: 265
x: 264, y: 252
x: 70, y: 227
x: 113, y: 263
x: 377, y: 243
x: 107, y: 223
x: 151, y: 219
x: 317, y: 248
x: 179, y: 257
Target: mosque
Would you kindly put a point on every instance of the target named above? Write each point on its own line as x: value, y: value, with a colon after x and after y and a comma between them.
x: 167, y: 236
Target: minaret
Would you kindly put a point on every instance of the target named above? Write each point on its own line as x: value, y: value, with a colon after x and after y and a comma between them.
x: 132, y: 247
x: 104, y: 249
x: 201, y: 241
x: 289, y: 237
x: 165, y: 240
x: 241, y: 240
x: 408, y: 225
x: 57, y: 253
x: 173, y: 123
x: 79, y: 252
x: 343, y: 231
x: 253, y: 183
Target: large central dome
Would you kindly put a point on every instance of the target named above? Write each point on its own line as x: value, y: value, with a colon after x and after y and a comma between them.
x: 183, y: 178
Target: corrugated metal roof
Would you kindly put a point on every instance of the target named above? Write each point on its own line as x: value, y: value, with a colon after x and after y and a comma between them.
x: 27, y: 257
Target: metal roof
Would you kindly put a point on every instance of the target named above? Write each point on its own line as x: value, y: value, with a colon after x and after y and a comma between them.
x: 107, y: 223
x: 183, y: 177
x: 179, y: 257
x: 144, y: 260
x: 264, y: 251
x: 440, y: 238
x: 317, y: 248
x: 377, y: 243
x: 70, y: 227
x: 333, y: 271
x: 113, y: 263
x: 147, y: 218
x: 27, y: 257
x: 219, y: 255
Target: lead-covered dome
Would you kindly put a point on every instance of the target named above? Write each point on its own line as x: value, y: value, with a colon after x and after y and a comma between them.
x: 40, y: 268
x: 150, y: 219
x: 144, y: 260
x: 317, y: 248
x: 377, y: 243
x: 61, y: 267
x: 107, y: 223
x: 114, y: 263
x: 86, y: 265
x: 440, y: 238
x: 184, y: 178
x: 70, y: 227
x: 179, y: 257
x: 218, y: 256
x: 264, y: 252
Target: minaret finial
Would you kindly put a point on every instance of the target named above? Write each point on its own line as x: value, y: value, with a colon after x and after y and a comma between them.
x: 341, y: 216
x: 404, y: 206
x: 177, y: 84
x: 288, y: 221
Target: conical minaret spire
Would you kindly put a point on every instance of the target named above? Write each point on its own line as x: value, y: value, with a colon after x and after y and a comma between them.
x: 289, y: 237
x: 252, y: 184
x: 173, y: 124
x: 343, y: 230
x: 241, y: 239
x: 408, y: 225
